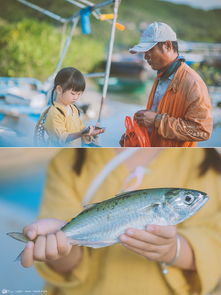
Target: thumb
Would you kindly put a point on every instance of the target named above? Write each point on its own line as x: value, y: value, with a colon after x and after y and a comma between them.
x: 30, y: 231
x: 42, y: 227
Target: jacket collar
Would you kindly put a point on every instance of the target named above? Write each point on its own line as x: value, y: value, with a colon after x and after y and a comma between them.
x: 174, y: 85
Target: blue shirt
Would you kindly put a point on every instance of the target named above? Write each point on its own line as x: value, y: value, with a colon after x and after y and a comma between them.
x: 160, y: 91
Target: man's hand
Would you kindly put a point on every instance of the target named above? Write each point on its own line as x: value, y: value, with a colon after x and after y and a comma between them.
x: 121, y: 142
x: 157, y: 243
x: 145, y: 118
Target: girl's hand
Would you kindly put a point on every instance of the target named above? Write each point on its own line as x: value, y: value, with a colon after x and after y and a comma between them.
x: 93, y: 131
x: 157, y: 243
x: 47, y: 242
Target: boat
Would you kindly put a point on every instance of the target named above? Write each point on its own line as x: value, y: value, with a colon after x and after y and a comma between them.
x: 128, y: 73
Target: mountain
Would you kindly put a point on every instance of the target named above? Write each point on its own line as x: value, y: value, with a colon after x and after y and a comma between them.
x: 30, y: 42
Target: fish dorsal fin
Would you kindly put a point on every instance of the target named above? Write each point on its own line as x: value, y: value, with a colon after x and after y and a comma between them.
x: 131, y: 192
x: 121, y: 194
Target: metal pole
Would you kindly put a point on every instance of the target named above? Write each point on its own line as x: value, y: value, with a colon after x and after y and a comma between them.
x: 94, y: 75
x: 87, y: 2
x: 95, y: 13
x: 97, y: 6
x: 75, y: 3
x: 108, y: 64
x: 67, y: 44
x: 44, y: 11
x: 102, y: 4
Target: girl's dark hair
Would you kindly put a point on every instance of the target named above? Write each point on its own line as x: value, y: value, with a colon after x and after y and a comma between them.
x: 79, y: 160
x: 68, y: 78
x: 212, y: 160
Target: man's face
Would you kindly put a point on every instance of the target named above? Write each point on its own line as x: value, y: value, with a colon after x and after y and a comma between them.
x: 158, y: 58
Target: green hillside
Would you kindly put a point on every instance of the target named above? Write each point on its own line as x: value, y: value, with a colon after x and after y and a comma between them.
x: 30, y: 42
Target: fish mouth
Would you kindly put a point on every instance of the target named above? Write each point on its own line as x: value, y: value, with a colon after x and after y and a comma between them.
x: 200, y: 202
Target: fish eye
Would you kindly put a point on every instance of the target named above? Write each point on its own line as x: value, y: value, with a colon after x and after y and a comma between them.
x: 188, y: 199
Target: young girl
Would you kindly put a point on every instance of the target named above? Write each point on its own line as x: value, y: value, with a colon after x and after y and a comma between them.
x: 63, y: 124
x: 134, y: 267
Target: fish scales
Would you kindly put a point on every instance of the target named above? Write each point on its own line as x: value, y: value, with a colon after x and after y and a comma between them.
x: 101, y: 224
x: 107, y: 220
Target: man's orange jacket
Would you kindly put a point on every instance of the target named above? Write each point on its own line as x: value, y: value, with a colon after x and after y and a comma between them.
x: 186, y: 109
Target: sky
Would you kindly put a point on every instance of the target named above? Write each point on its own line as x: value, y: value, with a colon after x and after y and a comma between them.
x: 203, y: 4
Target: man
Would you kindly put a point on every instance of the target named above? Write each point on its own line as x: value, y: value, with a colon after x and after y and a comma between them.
x: 179, y: 108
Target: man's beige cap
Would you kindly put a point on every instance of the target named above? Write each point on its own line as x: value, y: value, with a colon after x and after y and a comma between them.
x: 154, y: 33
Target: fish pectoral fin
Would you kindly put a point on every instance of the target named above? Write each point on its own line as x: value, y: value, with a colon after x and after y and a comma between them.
x: 148, y: 208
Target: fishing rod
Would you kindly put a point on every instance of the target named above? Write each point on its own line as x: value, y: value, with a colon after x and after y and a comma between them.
x: 108, y: 64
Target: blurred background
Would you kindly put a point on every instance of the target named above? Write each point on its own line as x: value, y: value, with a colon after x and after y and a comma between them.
x: 33, y: 45
x: 23, y: 173
x: 22, y: 177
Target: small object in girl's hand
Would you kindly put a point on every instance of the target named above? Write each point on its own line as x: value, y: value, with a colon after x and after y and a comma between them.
x: 99, y: 128
x: 85, y: 130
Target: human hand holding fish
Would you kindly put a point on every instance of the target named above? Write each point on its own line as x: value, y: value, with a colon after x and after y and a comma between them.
x: 159, y: 243
x: 47, y: 243
x: 105, y: 223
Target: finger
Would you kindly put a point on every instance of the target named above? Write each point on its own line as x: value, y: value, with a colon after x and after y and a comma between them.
x: 140, y: 121
x: 145, y: 236
x: 39, y: 248
x: 148, y: 255
x: 51, y: 250
x: 143, y: 246
x: 99, y: 131
x: 91, y: 130
x: 42, y: 227
x: 63, y: 245
x: 27, y: 255
x: 30, y: 231
x: 138, y: 115
x: 166, y: 232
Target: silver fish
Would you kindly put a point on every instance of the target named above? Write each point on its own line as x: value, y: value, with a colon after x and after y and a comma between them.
x: 101, y: 224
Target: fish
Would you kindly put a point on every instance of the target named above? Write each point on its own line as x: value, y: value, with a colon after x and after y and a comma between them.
x: 101, y: 224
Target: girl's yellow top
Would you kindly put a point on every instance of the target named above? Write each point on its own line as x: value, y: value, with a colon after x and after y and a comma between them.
x: 60, y: 123
x: 115, y: 270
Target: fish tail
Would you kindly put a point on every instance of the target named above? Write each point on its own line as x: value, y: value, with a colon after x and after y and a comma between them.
x: 18, y: 236
x: 18, y: 258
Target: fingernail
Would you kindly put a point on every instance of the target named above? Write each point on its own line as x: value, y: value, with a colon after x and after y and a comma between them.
x: 30, y: 234
x: 29, y: 245
x: 124, y: 238
x: 150, y: 227
x: 130, y: 232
